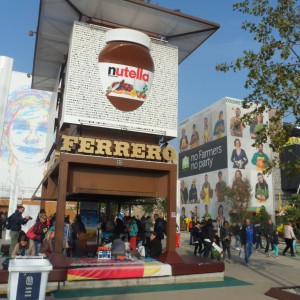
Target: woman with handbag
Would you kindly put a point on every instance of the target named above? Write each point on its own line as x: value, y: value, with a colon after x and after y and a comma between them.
x: 40, y: 228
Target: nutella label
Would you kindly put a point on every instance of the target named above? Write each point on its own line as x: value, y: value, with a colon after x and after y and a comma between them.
x: 126, y: 82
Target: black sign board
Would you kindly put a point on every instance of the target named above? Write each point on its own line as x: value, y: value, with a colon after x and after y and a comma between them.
x: 209, y: 157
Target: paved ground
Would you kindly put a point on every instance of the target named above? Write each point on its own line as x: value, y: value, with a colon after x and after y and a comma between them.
x: 263, y: 273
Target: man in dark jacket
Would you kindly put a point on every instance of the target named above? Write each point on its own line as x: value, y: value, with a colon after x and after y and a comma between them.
x: 268, y: 231
x: 16, y: 224
x: 208, y: 233
x: 257, y: 231
x: 247, y: 240
x: 159, y: 226
x: 197, y: 238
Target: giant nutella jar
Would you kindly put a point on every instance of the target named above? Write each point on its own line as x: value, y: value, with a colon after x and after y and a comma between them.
x: 126, y: 68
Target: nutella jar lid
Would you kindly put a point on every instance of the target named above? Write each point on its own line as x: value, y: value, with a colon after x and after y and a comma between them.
x: 128, y: 35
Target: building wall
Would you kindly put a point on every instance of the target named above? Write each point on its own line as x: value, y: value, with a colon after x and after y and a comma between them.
x: 213, y: 154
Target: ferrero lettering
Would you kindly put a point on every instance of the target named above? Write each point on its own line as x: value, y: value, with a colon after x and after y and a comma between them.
x: 138, y: 150
x: 168, y: 154
x: 117, y: 149
x: 86, y: 145
x: 153, y: 153
x: 68, y: 143
x: 121, y: 149
x: 103, y: 147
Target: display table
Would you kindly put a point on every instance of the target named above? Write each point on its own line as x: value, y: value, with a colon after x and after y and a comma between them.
x: 97, y: 269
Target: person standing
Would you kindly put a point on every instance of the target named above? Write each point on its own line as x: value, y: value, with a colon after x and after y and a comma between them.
x: 133, y: 231
x: 196, y: 234
x: 159, y: 226
x: 296, y: 233
x: 268, y: 231
x: 192, y: 225
x: 257, y: 231
x: 237, y: 235
x: 275, y: 243
x: 40, y: 229
x: 67, y: 237
x: 16, y: 224
x: 147, y: 227
x: 225, y: 236
x: 208, y: 234
x: 78, y: 237
x: 289, y: 236
x: 247, y: 240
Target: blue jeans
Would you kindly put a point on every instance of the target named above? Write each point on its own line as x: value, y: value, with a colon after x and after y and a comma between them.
x: 248, y: 252
x: 237, y: 241
x: 37, y: 246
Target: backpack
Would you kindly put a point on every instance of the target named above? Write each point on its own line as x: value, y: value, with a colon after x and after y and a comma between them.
x: 8, y: 222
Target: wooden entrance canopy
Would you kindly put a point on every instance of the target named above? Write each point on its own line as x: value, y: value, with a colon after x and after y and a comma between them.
x: 73, y: 176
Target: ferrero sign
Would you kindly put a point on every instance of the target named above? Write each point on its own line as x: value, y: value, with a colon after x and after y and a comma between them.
x: 117, y: 149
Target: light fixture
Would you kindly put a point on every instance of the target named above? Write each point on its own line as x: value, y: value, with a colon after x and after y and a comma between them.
x: 31, y: 32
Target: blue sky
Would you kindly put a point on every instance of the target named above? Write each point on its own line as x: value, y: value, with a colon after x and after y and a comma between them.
x: 199, y: 83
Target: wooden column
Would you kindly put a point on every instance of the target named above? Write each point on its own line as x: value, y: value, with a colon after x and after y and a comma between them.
x: 170, y: 256
x: 57, y: 258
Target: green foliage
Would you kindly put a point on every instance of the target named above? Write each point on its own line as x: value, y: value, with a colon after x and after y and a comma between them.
x: 292, y: 214
x: 155, y: 203
x: 273, y: 78
x: 262, y: 217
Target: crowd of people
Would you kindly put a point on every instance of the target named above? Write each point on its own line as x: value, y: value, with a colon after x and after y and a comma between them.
x: 138, y: 232
x: 248, y: 238
x: 39, y: 239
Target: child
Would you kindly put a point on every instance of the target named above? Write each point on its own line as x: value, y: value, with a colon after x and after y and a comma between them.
x: 275, y: 243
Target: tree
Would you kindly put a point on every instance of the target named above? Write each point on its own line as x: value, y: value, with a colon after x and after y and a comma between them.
x: 262, y: 217
x: 160, y: 204
x: 239, y: 196
x: 273, y: 71
x: 292, y: 214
